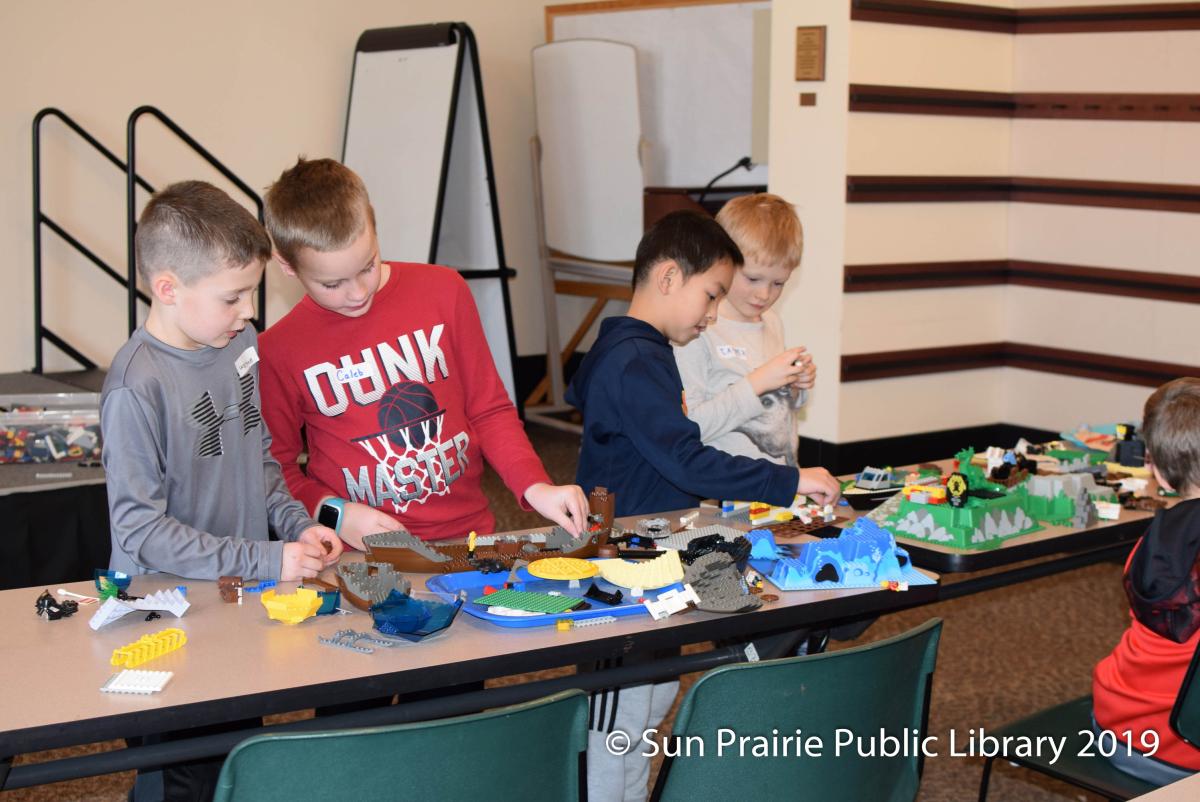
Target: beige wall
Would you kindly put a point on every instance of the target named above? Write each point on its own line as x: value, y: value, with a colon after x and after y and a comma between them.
x: 893, y: 144
x: 257, y: 83
x: 807, y: 158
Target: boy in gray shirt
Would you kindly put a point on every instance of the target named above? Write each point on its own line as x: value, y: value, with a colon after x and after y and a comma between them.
x: 192, y: 486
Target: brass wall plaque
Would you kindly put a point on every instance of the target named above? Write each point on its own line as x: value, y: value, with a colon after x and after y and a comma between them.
x: 810, y: 53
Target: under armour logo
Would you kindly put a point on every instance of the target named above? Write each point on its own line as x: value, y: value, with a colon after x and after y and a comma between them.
x: 205, y: 415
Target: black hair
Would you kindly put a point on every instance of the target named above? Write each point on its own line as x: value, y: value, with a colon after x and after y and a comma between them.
x: 692, y: 240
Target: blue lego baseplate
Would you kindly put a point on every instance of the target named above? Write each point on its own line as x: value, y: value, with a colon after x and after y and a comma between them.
x: 863, y: 556
x: 447, y: 586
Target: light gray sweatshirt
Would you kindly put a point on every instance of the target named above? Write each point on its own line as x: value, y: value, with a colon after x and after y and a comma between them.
x: 714, y: 367
x: 192, y: 485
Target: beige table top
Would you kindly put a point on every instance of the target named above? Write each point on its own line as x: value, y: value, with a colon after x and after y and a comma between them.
x: 239, y: 663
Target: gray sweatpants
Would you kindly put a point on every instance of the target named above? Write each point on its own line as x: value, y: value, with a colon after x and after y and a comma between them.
x: 624, y: 778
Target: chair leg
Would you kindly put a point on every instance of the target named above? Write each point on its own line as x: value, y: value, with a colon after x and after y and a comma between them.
x: 987, y: 776
x: 660, y: 782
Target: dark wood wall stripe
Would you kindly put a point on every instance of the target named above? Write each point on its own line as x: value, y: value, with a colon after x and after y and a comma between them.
x: 920, y: 100
x: 1060, y: 361
x: 1078, y: 19
x: 1050, y: 275
x: 1106, y: 19
x: 964, y: 16
x: 1073, y: 192
x: 1032, y: 105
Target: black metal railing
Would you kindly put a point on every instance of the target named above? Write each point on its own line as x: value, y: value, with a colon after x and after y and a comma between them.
x: 40, y: 331
x: 131, y: 184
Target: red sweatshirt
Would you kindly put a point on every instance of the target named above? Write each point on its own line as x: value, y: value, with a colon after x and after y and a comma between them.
x: 398, y: 405
x: 1135, y: 687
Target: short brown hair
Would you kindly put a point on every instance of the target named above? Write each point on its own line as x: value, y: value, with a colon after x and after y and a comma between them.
x: 765, y: 227
x: 1171, y: 429
x: 192, y: 228
x: 320, y: 204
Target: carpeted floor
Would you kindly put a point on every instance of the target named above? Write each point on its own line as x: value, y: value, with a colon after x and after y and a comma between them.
x: 1004, y: 654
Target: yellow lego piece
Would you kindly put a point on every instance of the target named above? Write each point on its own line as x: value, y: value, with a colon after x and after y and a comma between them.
x: 291, y: 608
x: 561, y: 568
x: 563, y: 624
x: 648, y: 575
x: 148, y: 647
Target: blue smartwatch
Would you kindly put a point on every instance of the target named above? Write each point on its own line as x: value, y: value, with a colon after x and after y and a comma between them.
x: 331, y: 513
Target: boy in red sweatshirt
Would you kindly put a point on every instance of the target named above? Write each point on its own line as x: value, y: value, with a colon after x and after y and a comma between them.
x: 384, y: 370
x: 1134, y: 688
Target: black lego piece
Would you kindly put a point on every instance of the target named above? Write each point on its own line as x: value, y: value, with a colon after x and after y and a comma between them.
x: 594, y: 592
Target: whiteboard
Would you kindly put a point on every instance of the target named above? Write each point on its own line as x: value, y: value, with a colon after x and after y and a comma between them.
x: 695, y: 82
x: 397, y: 149
x: 416, y: 131
x: 586, y: 101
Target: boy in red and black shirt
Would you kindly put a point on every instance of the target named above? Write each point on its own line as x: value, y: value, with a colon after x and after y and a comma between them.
x: 1135, y: 687
x: 384, y: 369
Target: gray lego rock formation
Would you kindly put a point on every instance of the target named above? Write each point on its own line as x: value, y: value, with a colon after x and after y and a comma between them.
x: 372, y: 585
x: 720, y: 587
x: 921, y: 524
x: 1069, y: 484
x: 998, y: 524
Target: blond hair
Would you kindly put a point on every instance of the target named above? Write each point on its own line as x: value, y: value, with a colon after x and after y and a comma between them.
x: 765, y: 228
x: 193, y: 229
x: 319, y: 204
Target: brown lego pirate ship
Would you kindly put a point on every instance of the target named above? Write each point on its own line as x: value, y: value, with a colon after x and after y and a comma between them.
x: 407, y: 553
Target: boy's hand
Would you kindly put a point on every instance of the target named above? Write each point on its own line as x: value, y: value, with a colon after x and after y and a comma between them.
x: 324, y: 538
x: 564, y: 504
x: 780, y: 370
x: 301, y: 560
x: 361, y: 519
x: 808, y: 373
x: 820, y: 485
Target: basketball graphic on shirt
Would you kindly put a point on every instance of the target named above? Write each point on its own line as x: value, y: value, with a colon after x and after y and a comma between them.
x: 402, y: 408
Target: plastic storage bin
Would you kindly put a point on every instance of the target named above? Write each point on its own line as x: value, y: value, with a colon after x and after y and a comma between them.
x: 52, y: 427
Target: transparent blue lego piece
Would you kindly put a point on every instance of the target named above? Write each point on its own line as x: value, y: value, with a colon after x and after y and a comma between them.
x: 402, y: 616
x: 120, y: 580
x: 330, y: 599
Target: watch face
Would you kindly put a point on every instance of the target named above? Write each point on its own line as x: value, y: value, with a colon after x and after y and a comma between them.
x: 329, y: 516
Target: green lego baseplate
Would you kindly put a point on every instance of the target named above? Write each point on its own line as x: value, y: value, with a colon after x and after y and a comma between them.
x: 529, y: 601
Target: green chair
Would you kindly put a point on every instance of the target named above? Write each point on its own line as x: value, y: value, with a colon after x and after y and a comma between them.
x: 855, y: 692
x: 1093, y: 772
x: 532, y: 751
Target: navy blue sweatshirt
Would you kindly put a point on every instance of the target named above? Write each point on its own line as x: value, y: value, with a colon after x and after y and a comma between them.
x: 639, y: 443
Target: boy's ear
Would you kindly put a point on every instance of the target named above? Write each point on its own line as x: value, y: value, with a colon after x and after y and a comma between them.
x: 667, y: 276
x: 284, y: 265
x: 163, y: 287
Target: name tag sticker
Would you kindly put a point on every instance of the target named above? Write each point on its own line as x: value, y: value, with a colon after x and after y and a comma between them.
x: 247, y: 360
x: 352, y: 373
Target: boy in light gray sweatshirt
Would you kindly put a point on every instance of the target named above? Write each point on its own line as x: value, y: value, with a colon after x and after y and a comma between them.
x: 192, y: 486
x: 743, y: 385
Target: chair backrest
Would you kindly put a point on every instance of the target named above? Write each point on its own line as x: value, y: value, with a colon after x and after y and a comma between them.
x: 586, y: 101
x: 845, y: 698
x: 1185, y: 714
x: 531, y: 751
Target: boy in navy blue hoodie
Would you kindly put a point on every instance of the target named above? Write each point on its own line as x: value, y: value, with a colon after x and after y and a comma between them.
x: 639, y: 443
x: 637, y: 439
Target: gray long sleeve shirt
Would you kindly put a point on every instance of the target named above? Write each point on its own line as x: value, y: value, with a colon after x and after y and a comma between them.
x: 192, y: 485
x: 714, y: 368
